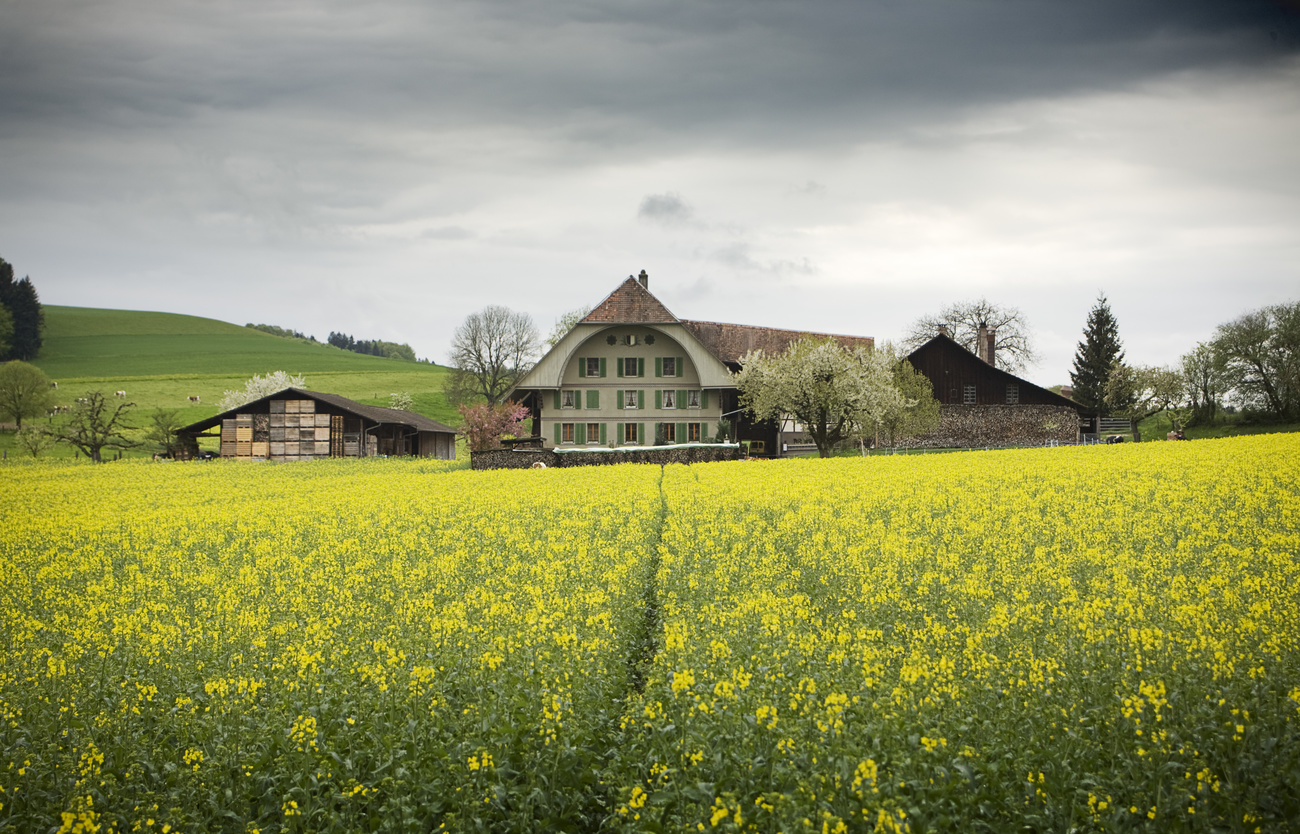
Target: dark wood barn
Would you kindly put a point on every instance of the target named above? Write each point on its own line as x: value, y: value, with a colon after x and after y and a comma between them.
x: 960, y: 377
x: 295, y: 424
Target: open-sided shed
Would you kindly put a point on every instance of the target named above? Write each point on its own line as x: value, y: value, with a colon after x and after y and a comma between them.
x: 295, y: 424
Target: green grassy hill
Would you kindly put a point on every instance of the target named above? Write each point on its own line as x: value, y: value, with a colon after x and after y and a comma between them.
x: 163, y: 359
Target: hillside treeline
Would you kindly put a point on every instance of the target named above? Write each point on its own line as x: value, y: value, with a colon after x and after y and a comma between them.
x: 22, y: 320
x: 376, y: 347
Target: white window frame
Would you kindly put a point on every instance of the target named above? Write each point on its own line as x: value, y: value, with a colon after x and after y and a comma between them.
x: 670, y: 432
x: 629, y: 434
x: 664, y: 366
x: 593, y: 366
x: 568, y: 399
x: 635, y: 367
x: 593, y: 437
x: 629, y: 398
x: 968, y: 395
x: 669, y: 398
x: 694, y: 431
x: 567, y: 433
x: 692, y: 399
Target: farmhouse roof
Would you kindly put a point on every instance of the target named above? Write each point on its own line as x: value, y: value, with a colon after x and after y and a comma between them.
x: 630, y: 303
x: 373, y: 413
x: 730, y: 342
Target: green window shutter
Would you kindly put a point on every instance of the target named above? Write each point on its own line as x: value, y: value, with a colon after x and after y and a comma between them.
x: 704, y: 431
x: 557, y: 434
x: 618, y: 433
x: 681, y: 399
x: 659, y: 397
x: 580, y: 433
x: 640, y: 399
x: 640, y: 433
x: 704, y: 399
x: 618, y: 398
x: 659, y: 366
x: 582, y: 367
x: 640, y: 367
x: 602, y: 367
x: 593, y: 399
x: 620, y: 367
x: 602, y: 434
x: 557, y: 400
x: 681, y: 433
x: 681, y: 367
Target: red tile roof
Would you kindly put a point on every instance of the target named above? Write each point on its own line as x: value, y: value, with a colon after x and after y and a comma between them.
x: 729, y: 342
x: 630, y: 303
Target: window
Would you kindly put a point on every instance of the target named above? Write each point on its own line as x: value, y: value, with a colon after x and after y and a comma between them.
x: 630, y: 366
x: 668, y: 432
x: 629, y: 399
x: 670, y: 399
x: 1013, y: 393
x: 692, y: 399
x: 670, y: 366
x: 567, y: 399
x: 593, y: 399
x: 593, y: 432
x: 692, y: 432
x: 629, y: 432
x: 566, y: 433
x: 968, y: 395
x: 593, y: 366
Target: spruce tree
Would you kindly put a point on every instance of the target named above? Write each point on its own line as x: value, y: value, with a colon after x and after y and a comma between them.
x: 1099, y: 350
x: 25, y: 308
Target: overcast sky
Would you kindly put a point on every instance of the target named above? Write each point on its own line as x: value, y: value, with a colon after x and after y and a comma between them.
x: 386, y: 168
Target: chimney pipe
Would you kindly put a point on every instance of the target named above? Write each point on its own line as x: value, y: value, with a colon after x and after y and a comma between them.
x: 992, y: 340
x: 981, y: 341
x: 644, y: 279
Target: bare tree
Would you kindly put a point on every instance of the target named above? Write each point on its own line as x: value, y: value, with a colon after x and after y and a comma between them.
x: 1013, y: 347
x: 95, y: 425
x: 490, y: 352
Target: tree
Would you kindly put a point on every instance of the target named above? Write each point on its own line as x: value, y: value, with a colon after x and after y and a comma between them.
x: 24, y: 391
x: 94, y: 425
x: 1260, y: 352
x: 260, y: 386
x: 164, y: 424
x: 490, y: 352
x: 34, y: 440
x: 920, y: 413
x: 564, y: 324
x: 1205, y: 379
x: 400, y: 400
x: 830, y: 389
x: 1012, y: 345
x: 28, y: 316
x: 1141, y: 391
x: 1098, y: 352
x: 6, y: 330
x: 484, y: 425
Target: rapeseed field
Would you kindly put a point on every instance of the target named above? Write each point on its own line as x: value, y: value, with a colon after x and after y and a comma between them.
x: 1089, y: 639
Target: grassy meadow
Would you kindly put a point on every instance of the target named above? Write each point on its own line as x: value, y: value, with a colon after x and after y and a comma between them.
x: 1077, y: 639
x: 162, y: 359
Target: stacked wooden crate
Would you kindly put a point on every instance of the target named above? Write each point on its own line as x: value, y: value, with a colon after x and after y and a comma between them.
x: 228, y: 438
x: 296, y: 432
x: 237, y: 436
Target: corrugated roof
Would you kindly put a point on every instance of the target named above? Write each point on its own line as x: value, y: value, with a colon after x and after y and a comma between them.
x: 374, y: 413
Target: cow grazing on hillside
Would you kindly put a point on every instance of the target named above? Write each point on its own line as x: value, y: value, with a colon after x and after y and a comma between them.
x: 194, y: 399
x: 120, y: 394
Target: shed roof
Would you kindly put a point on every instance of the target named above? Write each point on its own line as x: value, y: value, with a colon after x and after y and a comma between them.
x: 373, y: 413
x: 943, y: 343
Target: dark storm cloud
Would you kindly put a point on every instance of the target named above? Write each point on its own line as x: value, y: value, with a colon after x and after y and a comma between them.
x: 600, y: 73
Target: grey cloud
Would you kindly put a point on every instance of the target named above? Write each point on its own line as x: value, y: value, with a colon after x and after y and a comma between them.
x: 667, y: 209
x: 737, y: 256
x: 448, y: 233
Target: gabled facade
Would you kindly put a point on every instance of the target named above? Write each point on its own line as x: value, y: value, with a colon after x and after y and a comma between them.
x: 633, y: 374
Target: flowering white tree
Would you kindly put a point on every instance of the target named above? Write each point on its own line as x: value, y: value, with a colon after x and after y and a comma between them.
x: 261, y: 386
x: 835, y: 392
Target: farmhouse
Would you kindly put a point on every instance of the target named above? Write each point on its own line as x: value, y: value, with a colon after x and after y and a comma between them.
x: 295, y: 424
x: 981, y: 404
x: 633, y: 374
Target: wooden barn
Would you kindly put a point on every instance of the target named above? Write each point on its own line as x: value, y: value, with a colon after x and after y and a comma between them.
x: 982, y: 404
x: 295, y: 424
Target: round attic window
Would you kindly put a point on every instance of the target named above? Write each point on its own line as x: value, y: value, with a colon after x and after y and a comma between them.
x: 649, y: 340
x: 611, y: 340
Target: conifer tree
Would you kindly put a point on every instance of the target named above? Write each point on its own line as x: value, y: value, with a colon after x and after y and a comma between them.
x: 1099, y: 351
x: 28, y: 317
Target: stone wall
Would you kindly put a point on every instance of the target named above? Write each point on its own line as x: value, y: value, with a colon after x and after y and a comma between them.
x: 966, y: 426
x: 525, y: 458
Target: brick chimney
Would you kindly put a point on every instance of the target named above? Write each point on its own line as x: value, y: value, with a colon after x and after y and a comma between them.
x: 989, y: 347
x: 982, y: 340
x: 644, y: 279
